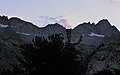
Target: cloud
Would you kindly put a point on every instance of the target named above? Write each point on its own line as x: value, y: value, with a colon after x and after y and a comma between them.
x: 47, y: 20
x: 51, y: 20
x: 64, y: 22
x: 115, y: 1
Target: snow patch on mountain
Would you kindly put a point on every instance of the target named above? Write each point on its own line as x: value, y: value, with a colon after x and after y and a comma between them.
x: 3, y: 26
x: 27, y: 34
x: 97, y: 35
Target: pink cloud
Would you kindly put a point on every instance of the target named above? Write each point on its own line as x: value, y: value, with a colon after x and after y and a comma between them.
x: 65, y: 22
x: 51, y: 20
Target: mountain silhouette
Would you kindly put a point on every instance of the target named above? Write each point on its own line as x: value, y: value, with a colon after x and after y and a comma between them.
x: 97, y: 47
x: 27, y: 31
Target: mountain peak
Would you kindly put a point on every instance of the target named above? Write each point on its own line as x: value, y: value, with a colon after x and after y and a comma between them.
x: 103, y: 23
x: 104, y: 20
x: 4, y: 20
x: 15, y: 18
x: 54, y: 25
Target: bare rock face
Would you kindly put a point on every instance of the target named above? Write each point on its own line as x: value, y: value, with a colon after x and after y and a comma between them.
x: 92, y: 40
x: 93, y: 56
x: 10, y: 37
x: 28, y: 31
x: 106, y: 58
x: 104, y: 27
x: 22, y: 26
x: 93, y: 34
x: 100, y: 60
x: 53, y: 29
x: 81, y: 30
x: 4, y: 20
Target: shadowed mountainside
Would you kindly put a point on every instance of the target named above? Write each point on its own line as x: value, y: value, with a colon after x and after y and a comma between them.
x: 97, y: 46
x: 95, y: 34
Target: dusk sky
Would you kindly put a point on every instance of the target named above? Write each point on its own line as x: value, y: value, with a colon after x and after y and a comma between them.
x: 69, y: 13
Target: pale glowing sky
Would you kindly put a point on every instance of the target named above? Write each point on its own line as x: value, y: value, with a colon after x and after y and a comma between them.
x: 67, y: 12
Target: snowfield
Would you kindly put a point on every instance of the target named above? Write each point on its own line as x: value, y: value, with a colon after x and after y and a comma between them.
x: 94, y: 34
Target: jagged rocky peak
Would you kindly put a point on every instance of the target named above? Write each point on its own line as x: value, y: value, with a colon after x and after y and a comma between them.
x: 90, y: 32
x: 93, y: 32
x: 4, y: 20
x: 104, y: 27
x: 85, y: 28
x: 28, y: 30
x: 103, y: 22
x: 56, y: 25
x: 53, y: 29
x: 22, y: 26
x: 82, y: 30
x: 15, y: 20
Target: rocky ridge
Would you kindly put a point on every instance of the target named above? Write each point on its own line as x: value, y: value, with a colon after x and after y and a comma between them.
x: 88, y: 32
x: 99, y: 46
